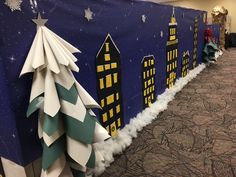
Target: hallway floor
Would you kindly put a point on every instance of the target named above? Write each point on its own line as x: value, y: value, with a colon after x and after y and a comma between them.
x: 195, y: 136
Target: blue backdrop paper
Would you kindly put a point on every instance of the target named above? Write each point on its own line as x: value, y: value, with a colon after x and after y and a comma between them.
x: 122, y: 19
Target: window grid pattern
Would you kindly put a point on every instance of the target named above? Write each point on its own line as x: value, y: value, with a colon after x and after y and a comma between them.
x: 109, y: 87
x: 195, y: 43
x: 148, y: 80
x: 171, y: 55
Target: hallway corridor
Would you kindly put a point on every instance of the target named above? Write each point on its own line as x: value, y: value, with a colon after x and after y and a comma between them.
x: 195, y: 136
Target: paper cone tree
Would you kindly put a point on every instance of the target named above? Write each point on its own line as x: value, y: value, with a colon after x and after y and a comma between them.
x: 66, y: 124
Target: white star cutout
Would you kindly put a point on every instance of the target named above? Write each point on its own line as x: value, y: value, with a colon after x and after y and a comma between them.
x: 39, y: 21
x: 13, y: 4
x: 144, y: 18
x: 88, y: 14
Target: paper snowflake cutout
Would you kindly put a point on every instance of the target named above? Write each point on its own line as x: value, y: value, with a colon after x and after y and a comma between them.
x: 12, y: 59
x: 13, y: 4
x: 144, y: 18
x: 88, y: 14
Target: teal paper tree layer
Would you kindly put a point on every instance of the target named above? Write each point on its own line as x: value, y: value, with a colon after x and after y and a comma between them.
x: 66, y: 125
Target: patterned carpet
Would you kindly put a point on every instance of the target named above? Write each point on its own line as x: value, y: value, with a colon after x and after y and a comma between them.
x: 195, y: 136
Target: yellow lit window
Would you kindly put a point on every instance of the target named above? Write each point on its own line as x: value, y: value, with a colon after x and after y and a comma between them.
x: 153, y: 87
x: 170, y: 55
x: 104, y: 117
x: 144, y: 92
x: 117, y: 108
x: 145, y: 100
x: 145, y: 64
x: 173, y: 53
x: 148, y: 73
x: 152, y: 62
x: 108, y: 81
x: 152, y: 80
x: 107, y: 47
x: 100, y: 68
x: 115, y: 77
x: 117, y: 96
x: 107, y: 66
x: 175, y: 63
x: 114, y: 65
x: 113, y: 129
x: 149, y: 103
x: 147, y: 90
x: 101, y: 83
x: 144, y: 75
x: 111, y: 113
x: 170, y: 67
x: 110, y: 99
x: 152, y: 96
x: 149, y: 62
x: 154, y: 71
x: 102, y: 102
x: 149, y: 82
x: 107, y: 57
x: 176, y: 53
x: 145, y: 84
x: 118, y: 122
x: 167, y: 68
x: 172, y: 37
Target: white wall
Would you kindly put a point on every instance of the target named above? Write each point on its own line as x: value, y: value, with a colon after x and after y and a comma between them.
x: 208, y: 5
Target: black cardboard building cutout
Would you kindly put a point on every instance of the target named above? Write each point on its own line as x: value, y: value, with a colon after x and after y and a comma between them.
x: 108, y: 69
x: 185, y: 64
x: 171, y: 53
x: 148, y: 80
x: 195, y: 42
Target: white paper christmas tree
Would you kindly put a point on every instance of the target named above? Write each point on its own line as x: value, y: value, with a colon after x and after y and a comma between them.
x: 66, y: 123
